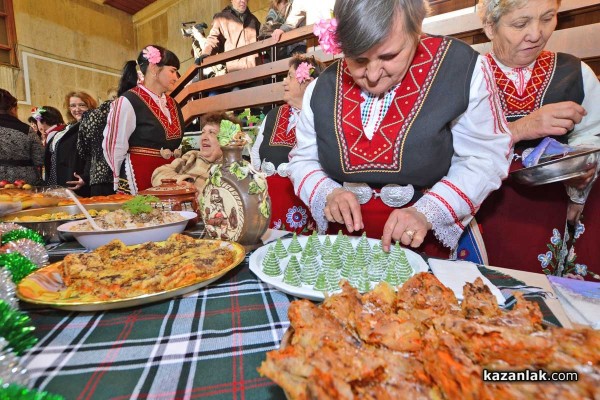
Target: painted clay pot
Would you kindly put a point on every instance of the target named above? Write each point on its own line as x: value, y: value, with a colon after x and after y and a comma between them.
x: 235, y: 203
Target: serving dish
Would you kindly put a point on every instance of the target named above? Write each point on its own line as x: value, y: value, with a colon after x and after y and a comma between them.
x: 43, y: 287
x: 94, y: 239
x: 565, y: 167
x: 416, y: 261
x: 48, y: 229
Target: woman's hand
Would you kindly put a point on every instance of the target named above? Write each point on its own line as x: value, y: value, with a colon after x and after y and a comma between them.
x: 78, y: 184
x: 277, y: 34
x: 406, y: 225
x: 342, y: 207
x: 549, y: 120
x: 582, y: 181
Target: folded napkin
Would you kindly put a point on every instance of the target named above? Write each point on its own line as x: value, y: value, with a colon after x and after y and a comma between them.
x: 455, y: 274
x: 580, y: 299
x: 547, y: 147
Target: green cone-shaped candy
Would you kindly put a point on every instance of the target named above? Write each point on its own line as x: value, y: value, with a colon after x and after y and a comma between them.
x: 270, y: 263
x: 291, y: 275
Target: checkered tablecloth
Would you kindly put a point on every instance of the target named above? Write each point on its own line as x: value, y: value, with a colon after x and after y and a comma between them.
x: 206, y: 344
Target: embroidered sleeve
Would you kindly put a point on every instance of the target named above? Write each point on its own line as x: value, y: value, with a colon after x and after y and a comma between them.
x: 120, y: 124
x: 254, y: 152
x: 482, y: 150
x: 586, y: 132
x: 311, y: 183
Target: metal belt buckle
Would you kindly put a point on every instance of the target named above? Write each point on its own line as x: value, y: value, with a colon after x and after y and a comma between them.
x: 392, y: 195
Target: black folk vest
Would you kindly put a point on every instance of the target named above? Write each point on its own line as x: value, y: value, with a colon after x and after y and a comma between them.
x: 413, y: 143
x: 277, y: 142
x: 153, y: 129
x: 556, y: 77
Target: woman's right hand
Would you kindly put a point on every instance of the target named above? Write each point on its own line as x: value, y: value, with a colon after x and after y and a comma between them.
x: 549, y: 120
x: 343, y: 207
x: 277, y: 34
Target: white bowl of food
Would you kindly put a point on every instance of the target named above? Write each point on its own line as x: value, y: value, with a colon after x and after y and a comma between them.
x: 147, y: 227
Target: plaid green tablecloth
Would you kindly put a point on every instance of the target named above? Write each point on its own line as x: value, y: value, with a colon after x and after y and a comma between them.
x: 206, y: 344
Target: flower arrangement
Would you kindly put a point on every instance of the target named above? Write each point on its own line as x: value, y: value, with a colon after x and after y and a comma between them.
x: 304, y: 72
x: 325, y: 30
x: 152, y: 54
x: 36, y: 113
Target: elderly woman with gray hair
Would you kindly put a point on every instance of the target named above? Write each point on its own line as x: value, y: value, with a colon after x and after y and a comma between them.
x: 402, y: 135
x: 542, y: 94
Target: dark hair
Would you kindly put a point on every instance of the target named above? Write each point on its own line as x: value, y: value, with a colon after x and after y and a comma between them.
x: 7, y: 101
x: 51, y: 116
x: 216, y: 118
x: 89, y: 101
x: 298, y: 59
x: 361, y: 24
x: 32, y: 120
x: 167, y: 58
x: 129, y: 77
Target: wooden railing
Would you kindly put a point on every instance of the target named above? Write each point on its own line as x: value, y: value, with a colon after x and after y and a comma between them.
x: 578, y: 33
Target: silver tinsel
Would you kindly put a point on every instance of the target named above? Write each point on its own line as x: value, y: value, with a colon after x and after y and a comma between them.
x: 34, y: 251
x: 7, y: 288
x: 10, y: 368
x: 6, y: 227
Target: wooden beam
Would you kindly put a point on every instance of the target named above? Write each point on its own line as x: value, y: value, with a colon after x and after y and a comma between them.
x: 233, y: 78
x: 288, y: 37
x: 240, y: 99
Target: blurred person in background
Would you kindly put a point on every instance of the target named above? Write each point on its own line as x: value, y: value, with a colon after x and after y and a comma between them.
x: 91, y: 134
x: 70, y: 169
x: 145, y: 126
x: 233, y: 27
x: 21, y: 151
x: 276, y: 138
x: 194, y: 166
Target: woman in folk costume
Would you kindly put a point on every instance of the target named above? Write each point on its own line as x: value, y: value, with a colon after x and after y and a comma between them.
x: 276, y: 137
x: 145, y: 126
x: 402, y: 135
x: 542, y: 94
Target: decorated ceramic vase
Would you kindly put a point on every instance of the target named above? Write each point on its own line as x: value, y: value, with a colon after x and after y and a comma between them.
x: 235, y: 203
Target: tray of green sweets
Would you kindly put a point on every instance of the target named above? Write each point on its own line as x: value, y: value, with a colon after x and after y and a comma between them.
x: 311, y: 267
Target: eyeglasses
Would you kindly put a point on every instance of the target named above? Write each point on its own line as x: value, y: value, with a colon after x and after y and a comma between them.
x: 78, y: 105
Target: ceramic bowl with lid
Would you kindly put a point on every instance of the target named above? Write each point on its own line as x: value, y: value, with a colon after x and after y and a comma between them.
x: 175, y: 196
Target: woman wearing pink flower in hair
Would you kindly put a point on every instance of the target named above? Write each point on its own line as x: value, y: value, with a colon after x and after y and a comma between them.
x: 275, y: 139
x: 145, y: 126
x: 402, y: 136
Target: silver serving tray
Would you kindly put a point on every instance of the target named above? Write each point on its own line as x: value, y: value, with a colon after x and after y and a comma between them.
x: 569, y: 166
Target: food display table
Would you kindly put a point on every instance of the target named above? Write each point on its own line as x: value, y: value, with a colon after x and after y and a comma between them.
x: 207, y: 344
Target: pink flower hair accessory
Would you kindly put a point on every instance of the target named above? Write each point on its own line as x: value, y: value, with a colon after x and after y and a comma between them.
x: 304, y: 72
x: 152, y: 54
x: 325, y: 30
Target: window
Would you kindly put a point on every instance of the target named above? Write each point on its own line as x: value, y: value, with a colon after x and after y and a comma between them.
x: 8, y: 36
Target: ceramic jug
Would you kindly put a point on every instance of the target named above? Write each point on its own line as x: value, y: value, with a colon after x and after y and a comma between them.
x: 235, y: 203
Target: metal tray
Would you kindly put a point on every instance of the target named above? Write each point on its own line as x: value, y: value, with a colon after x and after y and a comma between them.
x: 571, y: 165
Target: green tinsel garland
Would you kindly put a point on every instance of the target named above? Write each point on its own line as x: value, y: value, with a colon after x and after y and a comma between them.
x: 18, y: 265
x: 16, y: 328
x: 16, y: 392
x: 22, y: 234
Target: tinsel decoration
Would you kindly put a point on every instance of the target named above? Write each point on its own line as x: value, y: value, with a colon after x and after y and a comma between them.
x: 19, y: 265
x: 16, y: 328
x: 6, y: 227
x: 16, y: 392
x: 35, y: 251
x: 22, y: 234
x: 11, y: 371
x: 7, y: 290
